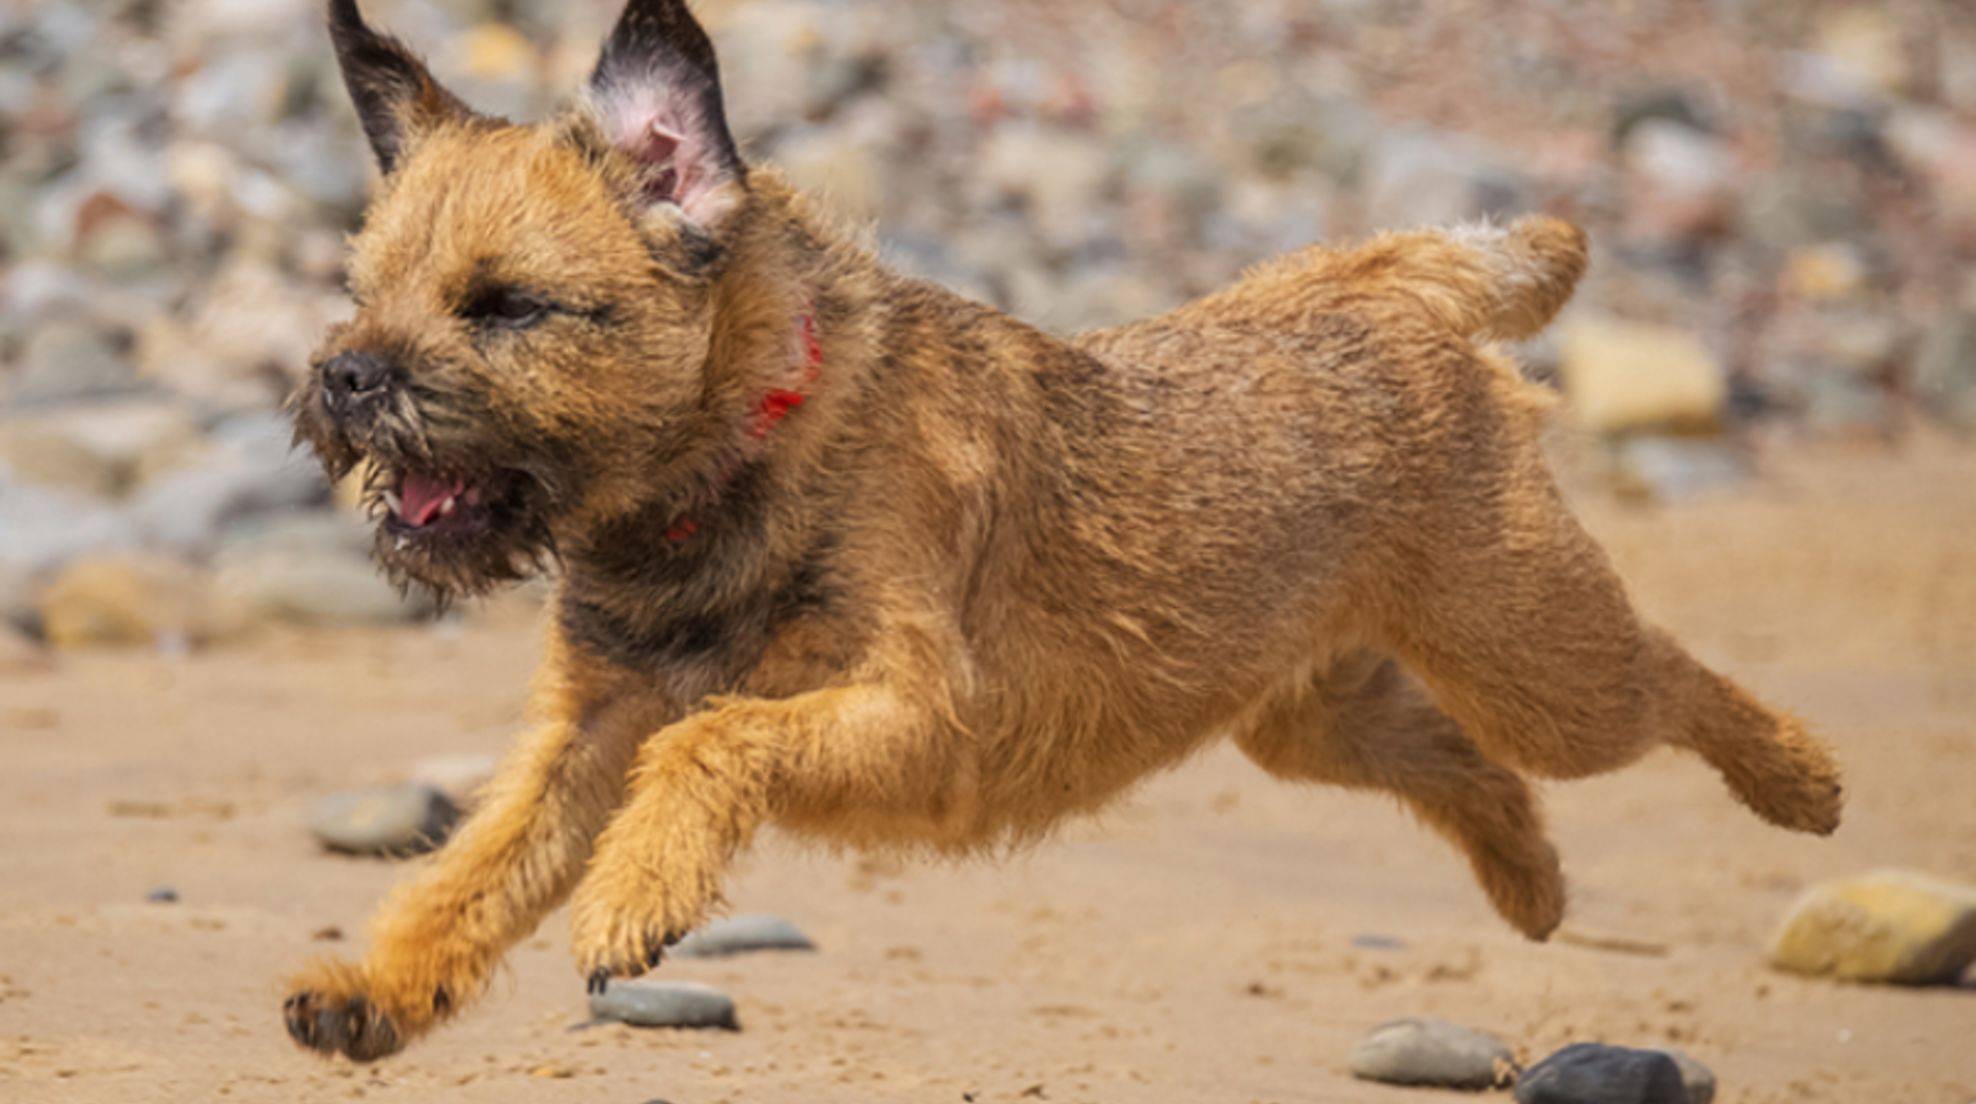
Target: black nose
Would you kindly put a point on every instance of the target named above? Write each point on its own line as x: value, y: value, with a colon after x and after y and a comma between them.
x: 354, y: 375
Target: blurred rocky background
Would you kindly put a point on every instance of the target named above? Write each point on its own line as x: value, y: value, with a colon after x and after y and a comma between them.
x: 1783, y: 193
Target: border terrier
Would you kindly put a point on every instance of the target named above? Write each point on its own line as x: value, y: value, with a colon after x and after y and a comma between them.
x: 843, y: 552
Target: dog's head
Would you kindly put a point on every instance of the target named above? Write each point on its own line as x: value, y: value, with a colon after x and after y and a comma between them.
x: 535, y: 304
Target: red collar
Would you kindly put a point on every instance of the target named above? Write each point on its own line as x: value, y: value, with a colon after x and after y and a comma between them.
x: 774, y: 405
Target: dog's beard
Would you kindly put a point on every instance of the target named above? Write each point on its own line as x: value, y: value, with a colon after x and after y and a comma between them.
x: 457, y: 514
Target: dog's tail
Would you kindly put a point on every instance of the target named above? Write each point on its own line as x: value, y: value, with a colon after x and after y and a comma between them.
x: 1482, y: 280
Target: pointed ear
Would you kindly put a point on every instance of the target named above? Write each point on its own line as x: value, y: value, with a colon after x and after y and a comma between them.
x: 656, y: 94
x: 396, y: 96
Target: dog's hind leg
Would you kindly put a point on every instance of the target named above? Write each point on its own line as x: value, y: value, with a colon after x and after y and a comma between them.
x: 1522, y: 632
x: 1366, y: 725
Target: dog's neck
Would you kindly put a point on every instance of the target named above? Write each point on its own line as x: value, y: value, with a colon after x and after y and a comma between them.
x: 719, y: 564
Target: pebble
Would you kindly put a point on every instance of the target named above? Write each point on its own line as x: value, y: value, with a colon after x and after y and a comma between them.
x: 1696, y: 1078
x: 460, y: 777
x: 1622, y: 376
x: 163, y: 895
x: 385, y: 820
x: 1432, y: 1052
x: 742, y: 934
x: 128, y: 599
x: 313, y: 589
x: 1417, y: 177
x: 1593, y: 1073
x: 46, y: 528
x: 250, y: 473
x: 70, y: 359
x: 1674, y: 469
x: 1896, y: 926
x: 643, y: 1003
x: 1945, y: 371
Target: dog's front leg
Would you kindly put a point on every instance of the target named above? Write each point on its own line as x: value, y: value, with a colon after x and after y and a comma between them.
x: 702, y: 787
x: 438, y: 936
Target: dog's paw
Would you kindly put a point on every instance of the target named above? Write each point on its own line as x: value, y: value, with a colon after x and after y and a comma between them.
x: 331, y: 1010
x: 616, y: 942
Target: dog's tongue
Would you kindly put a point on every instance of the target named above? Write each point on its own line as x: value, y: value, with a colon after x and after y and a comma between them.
x: 421, y: 496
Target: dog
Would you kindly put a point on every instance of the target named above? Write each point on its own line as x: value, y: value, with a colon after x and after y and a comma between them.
x: 845, y: 553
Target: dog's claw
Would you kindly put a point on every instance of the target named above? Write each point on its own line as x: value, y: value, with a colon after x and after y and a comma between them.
x: 352, y: 1027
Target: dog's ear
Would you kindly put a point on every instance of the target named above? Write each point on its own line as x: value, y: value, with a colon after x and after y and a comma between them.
x: 396, y: 96
x: 656, y: 94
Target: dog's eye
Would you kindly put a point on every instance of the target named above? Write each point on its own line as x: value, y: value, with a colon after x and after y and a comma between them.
x: 508, y: 308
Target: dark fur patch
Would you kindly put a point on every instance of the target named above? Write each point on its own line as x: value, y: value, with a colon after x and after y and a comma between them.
x: 388, y: 83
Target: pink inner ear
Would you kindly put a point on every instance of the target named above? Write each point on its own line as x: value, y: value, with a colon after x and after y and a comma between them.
x: 661, y: 128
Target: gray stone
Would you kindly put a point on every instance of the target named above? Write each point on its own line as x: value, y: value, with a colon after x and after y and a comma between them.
x: 320, y: 587
x: 385, y: 820
x: 46, y: 528
x: 460, y: 777
x: 642, y: 1003
x: 1592, y: 1073
x: 1945, y: 372
x: 250, y: 472
x: 1674, y: 469
x: 70, y: 358
x: 163, y: 895
x: 1698, y: 1079
x: 741, y: 934
x: 1415, y: 176
x: 1432, y: 1052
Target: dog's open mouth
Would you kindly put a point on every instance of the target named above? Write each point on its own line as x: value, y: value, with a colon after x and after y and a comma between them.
x: 434, y: 509
x: 421, y: 502
x: 460, y: 532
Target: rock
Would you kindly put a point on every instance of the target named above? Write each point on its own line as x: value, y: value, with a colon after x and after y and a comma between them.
x: 1625, y: 376
x: 1887, y: 926
x: 313, y: 588
x: 847, y: 175
x: 1684, y: 181
x: 99, y: 449
x: 127, y: 599
x: 1945, y: 370
x: 40, y: 453
x: 1591, y: 1073
x: 741, y: 934
x: 1061, y: 176
x: 664, y: 1004
x: 46, y: 529
x: 163, y: 895
x: 1696, y: 1078
x: 250, y: 472
x: 1432, y: 1052
x: 139, y: 439
x: 1864, y: 44
x: 460, y: 777
x: 125, y: 247
x: 386, y: 820
x: 1415, y: 177
x: 19, y: 654
x: 69, y: 359
x: 1673, y: 469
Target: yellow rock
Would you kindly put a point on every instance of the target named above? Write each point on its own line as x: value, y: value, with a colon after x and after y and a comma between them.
x: 128, y: 600
x: 1891, y: 926
x: 496, y: 51
x: 1624, y: 376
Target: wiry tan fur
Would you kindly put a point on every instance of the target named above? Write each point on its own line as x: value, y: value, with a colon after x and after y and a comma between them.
x: 1018, y: 574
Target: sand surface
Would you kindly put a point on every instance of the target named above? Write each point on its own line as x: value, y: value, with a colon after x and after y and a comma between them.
x: 1203, y: 942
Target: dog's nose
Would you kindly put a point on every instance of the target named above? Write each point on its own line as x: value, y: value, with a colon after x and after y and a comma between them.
x: 355, y: 375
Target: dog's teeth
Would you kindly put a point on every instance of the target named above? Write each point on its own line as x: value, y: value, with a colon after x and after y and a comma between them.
x: 392, y: 500
x: 401, y: 542
x: 447, y: 506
